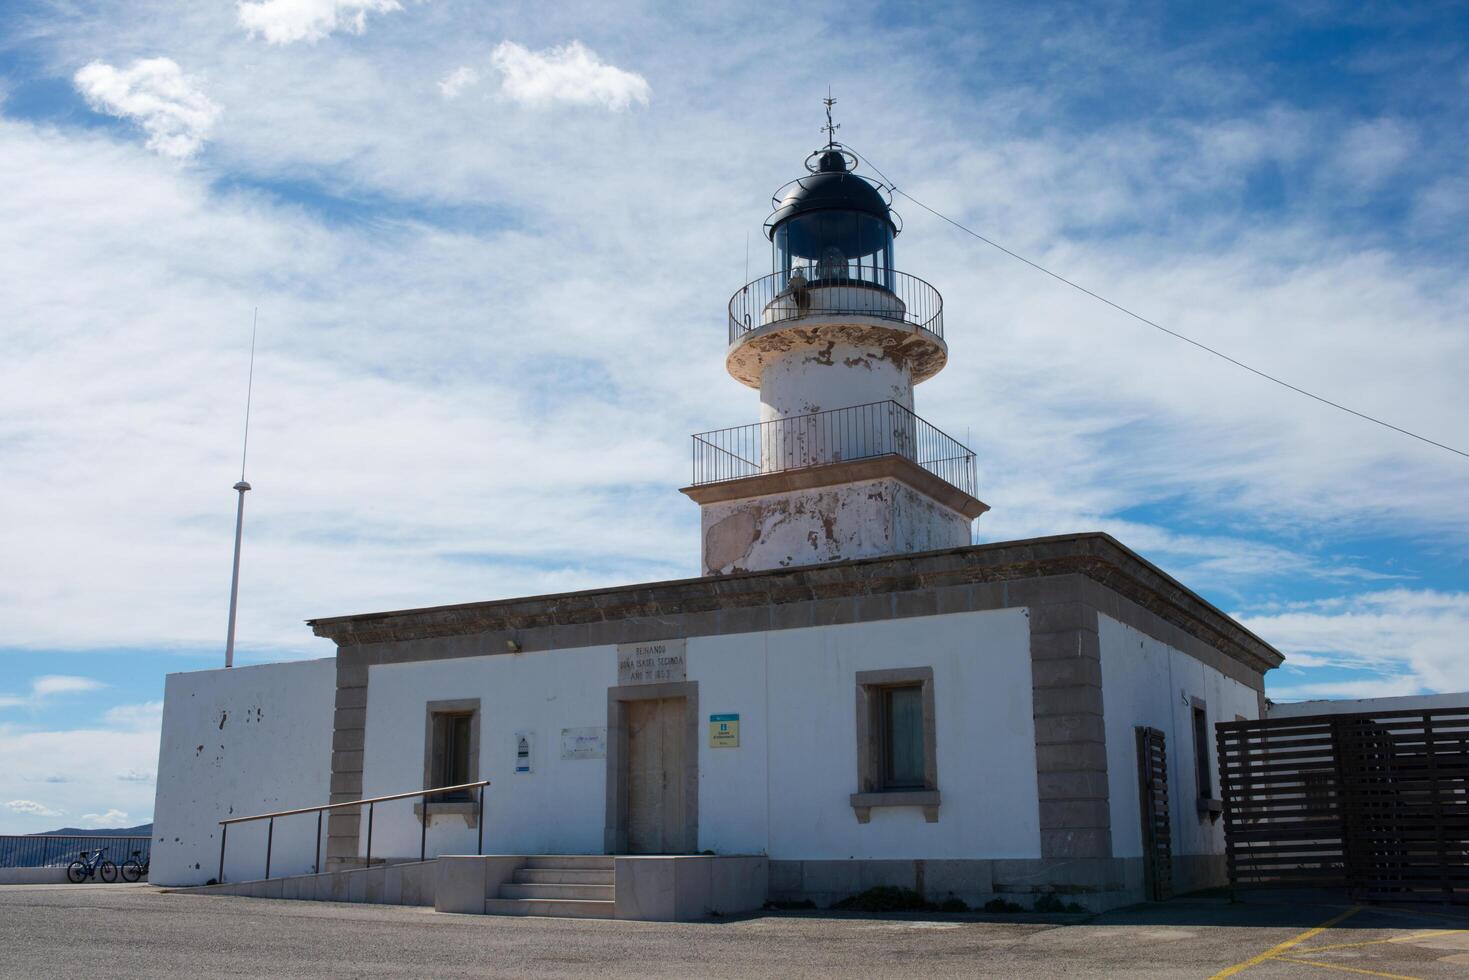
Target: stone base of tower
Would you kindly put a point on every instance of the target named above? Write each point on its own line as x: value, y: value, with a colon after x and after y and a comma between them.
x: 861, y: 509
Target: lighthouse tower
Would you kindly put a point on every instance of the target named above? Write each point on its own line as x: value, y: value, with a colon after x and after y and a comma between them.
x: 833, y: 339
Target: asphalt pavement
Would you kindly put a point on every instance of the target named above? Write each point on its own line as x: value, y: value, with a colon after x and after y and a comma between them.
x: 141, y: 931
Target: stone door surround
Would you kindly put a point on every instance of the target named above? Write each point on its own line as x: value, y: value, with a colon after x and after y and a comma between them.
x: 615, y: 832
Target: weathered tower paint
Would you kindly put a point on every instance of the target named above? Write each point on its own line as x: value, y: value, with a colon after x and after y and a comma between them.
x: 834, y: 339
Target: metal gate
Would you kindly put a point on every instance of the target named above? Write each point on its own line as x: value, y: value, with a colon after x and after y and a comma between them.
x: 1376, y: 803
x: 1152, y: 781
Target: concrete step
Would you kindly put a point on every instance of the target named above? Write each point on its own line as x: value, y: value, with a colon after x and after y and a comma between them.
x: 601, y: 893
x: 560, y: 908
x: 569, y: 862
x: 562, y: 876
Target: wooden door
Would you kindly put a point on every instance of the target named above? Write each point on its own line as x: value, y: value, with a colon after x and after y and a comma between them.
x: 655, y: 761
x: 1152, y: 776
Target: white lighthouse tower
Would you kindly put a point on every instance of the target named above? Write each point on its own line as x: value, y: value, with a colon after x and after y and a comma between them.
x: 834, y: 339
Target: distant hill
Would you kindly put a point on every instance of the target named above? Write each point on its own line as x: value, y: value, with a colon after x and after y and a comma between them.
x: 141, y: 830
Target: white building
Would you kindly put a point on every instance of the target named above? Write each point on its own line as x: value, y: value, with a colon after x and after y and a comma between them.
x: 851, y: 691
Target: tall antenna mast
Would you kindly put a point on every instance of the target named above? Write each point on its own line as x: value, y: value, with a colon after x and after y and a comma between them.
x: 830, y: 129
x: 241, y: 488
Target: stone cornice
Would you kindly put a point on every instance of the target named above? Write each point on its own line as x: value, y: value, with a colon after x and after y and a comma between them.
x: 1096, y: 556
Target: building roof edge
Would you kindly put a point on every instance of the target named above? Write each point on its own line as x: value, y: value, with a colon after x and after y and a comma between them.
x: 1095, y: 555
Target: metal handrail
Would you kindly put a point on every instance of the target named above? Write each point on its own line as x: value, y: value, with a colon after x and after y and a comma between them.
x: 371, y: 802
x: 882, y: 293
x: 885, y: 428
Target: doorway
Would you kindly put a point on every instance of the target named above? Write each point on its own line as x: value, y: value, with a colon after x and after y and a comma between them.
x: 652, y: 769
x: 655, y: 790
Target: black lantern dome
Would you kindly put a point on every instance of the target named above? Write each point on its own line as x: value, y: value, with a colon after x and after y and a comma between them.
x: 833, y: 226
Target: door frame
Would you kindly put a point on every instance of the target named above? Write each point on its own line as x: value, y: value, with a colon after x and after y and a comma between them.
x: 614, y: 835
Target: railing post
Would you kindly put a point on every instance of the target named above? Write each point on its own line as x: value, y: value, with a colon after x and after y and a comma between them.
x: 45, y: 852
x: 316, y: 864
x: 423, y: 829
x: 369, y: 835
x: 480, y: 849
x: 269, y: 840
x: 224, y: 830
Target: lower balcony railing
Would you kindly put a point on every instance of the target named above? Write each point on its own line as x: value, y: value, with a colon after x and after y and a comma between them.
x: 840, y: 435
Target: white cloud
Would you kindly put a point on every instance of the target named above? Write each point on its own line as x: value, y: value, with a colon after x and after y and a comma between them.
x: 61, y: 684
x: 111, y: 819
x: 1370, y: 152
x: 63, y: 767
x: 570, y: 73
x: 1412, y: 640
x: 147, y: 716
x: 32, y: 808
x: 48, y: 686
x: 457, y: 81
x: 157, y: 95
x: 287, y: 21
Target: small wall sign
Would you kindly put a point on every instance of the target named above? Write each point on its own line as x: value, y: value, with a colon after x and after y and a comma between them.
x: 724, y: 731
x: 523, y: 742
x: 655, y: 662
x: 583, y: 743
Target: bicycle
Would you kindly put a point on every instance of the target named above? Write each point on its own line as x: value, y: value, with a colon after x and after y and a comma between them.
x: 135, y: 868
x: 91, y: 865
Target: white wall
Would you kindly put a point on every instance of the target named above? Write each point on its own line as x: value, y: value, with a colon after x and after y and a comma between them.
x: 811, y: 378
x: 1413, y: 702
x: 784, y: 791
x: 238, y: 742
x: 985, y: 738
x: 556, y: 808
x: 1145, y: 682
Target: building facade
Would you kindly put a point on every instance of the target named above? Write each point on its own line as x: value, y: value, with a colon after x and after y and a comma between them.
x: 851, y: 690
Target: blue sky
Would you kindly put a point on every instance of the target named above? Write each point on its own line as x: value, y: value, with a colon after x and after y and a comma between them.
x: 492, y: 244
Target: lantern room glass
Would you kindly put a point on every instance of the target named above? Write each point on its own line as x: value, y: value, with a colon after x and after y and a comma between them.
x: 835, y: 247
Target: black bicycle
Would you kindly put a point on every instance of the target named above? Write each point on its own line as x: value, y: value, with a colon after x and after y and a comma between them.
x: 135, y: 868
x: 91, y: 865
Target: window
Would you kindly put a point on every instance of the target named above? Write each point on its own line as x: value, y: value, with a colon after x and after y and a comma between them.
x: 1208, y: 804
x: 896, y: 764
x: 451, y: 753
x: 902, y: 737
x: 1201, y: 750
x: 451, y: 757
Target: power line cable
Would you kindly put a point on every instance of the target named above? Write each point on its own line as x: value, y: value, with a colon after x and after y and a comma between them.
x: 1158, y: 326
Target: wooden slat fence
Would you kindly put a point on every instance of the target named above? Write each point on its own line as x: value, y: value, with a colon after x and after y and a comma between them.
x: 1374, y: 803
x: 1152, y: 762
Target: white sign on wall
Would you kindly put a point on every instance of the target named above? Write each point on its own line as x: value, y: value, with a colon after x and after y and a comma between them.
x: 583, y: 743
x: 655, y: 662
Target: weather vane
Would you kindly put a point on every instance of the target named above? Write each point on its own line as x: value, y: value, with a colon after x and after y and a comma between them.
x: 830, y: 129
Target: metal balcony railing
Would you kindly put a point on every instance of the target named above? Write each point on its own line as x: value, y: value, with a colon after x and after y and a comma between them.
x: 840, y: 435
x: 59, y: 850
x: 881, y: 293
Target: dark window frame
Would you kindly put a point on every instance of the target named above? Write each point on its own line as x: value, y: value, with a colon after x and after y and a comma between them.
x: 873, y: 743
x: 1209, y: 803
x: 440, y: 718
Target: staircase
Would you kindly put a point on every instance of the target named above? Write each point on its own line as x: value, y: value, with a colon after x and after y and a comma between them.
x: 570, y: 887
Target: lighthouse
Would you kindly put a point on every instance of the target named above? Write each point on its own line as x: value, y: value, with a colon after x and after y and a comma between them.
x: 833, y: 339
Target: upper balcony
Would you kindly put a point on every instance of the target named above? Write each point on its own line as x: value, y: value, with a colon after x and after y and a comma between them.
x: 874, y: 307
x: 882, y: 294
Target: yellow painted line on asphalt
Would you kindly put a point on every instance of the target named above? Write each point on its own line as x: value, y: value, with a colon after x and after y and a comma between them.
x: 1279, y: 948
x: 1378, y: 942
x: 1344, y: 969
